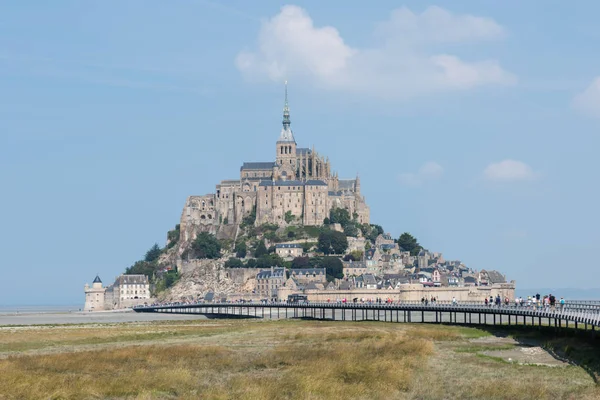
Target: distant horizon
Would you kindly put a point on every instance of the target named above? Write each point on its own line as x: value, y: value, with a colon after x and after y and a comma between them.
x: 519, y: 292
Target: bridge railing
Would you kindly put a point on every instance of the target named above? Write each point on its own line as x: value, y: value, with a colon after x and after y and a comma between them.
x: 589, y: 309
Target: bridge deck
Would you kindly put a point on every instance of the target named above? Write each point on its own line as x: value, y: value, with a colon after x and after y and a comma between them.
x: 581, y: 315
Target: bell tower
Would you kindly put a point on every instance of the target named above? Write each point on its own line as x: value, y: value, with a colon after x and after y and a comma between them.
x: 286, y: 146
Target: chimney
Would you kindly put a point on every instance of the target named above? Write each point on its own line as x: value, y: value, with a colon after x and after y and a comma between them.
x: 272, y: 270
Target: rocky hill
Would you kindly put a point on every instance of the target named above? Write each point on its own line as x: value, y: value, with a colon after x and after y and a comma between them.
x: 199, y: 277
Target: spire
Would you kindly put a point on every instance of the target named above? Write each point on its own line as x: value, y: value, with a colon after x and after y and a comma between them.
x: 286, y: 111
x: 286, y: 131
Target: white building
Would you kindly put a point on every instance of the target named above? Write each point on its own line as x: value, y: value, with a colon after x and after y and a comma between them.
x: 127, y: 291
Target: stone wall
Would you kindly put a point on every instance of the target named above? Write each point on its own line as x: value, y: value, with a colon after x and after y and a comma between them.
x: 413, y: 292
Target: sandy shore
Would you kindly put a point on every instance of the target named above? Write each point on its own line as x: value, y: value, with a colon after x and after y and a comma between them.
x: 88, y: 317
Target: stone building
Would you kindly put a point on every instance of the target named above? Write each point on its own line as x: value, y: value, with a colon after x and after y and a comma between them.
x: 127, y: 291
x: 298, y: 187
x: 94, y: 296
x: 267, y: 282
x: 308, y: 275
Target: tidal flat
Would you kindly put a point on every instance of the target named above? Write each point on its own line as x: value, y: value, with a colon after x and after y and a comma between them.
x: 293, y: 359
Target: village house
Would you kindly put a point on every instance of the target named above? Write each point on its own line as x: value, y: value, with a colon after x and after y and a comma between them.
x: 267, y: 282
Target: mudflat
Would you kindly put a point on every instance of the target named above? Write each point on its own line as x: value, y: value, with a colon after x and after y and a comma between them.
x: 80, y: 317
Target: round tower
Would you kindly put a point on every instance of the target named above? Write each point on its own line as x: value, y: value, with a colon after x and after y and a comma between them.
x: 94, y: 296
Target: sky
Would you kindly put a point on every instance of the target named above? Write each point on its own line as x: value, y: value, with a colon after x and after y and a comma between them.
x: 474, y: 125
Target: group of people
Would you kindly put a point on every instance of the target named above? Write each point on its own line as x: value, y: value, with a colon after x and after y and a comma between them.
x: 547, y: 302
x: 433, y: 300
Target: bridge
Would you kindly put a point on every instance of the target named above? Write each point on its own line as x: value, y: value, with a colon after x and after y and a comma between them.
x: 581, y: 315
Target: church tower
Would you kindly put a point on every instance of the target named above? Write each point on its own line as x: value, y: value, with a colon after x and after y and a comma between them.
x: 286, y: 147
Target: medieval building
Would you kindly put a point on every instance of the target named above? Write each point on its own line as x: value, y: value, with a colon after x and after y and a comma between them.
x: 299, y: 187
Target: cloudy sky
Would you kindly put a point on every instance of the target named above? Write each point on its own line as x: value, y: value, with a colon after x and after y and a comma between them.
x: 474, y: 125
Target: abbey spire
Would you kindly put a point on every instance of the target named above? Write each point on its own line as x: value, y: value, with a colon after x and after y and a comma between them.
x: 286, y: 132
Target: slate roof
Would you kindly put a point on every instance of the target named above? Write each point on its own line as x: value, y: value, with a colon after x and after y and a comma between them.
x: 257, y: 165
x: 138, y: 279
x: 209, y: 296
x: 369, y: 279
x: 346, y: 184
x: 97, y: 279
x: 308, y: 271
x: 303, y: 151
x: 277, y: 273
x: 345, y: 285
x: 315, y: 182
x: 288, y: 246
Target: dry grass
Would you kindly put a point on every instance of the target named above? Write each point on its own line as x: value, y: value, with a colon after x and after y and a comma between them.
x: 272, y: 360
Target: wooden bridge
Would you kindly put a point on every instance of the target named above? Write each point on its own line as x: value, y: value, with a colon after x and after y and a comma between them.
x: 584, y: 315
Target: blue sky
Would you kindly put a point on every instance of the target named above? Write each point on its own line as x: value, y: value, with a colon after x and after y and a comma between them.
x: 473, y: 125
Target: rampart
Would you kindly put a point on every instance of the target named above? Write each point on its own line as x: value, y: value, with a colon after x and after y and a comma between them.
x: 412, y: 292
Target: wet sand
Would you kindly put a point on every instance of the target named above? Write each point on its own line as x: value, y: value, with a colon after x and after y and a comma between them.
x: 77, y: 317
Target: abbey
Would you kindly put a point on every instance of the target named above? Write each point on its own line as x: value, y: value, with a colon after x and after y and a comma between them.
x: 299, y: 188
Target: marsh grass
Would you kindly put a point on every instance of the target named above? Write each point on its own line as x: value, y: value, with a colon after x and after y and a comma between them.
x: 276, y: 360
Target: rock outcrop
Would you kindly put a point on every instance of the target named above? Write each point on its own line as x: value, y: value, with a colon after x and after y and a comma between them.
x: 199, y: 277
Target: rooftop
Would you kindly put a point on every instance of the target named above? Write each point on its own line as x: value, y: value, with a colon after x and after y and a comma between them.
x: 257, y: 165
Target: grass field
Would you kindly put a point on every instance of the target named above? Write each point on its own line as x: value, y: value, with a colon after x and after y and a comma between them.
x: 292, y: 359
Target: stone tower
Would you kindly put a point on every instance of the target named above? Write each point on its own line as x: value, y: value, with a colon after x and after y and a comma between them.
x: 285, y: 159
x: 94, y: 296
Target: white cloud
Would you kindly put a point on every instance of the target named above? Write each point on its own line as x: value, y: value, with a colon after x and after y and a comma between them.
x: 428, y: 172
x: 402, y: 65
x: 509, y: 171
x: 588, y: 102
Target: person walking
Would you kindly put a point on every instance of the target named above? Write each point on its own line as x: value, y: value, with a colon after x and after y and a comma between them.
x: 562, y: 303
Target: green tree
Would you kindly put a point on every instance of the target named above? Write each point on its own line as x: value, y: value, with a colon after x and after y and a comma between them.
x: 261, y: 249
x: 173, y: 236
x: 349, y: 257
x: 289, y: 217
x: 142, y: 267
x: 301, y: 262
x: 251, y: 263
x: 326, y: 221
x: 234, y: 263
x: 170, y: 278
x: 351, y: 230
x: 339, y: 216
x: 269, y: 260
x: 333, y: 266
x: 339, y: 243
x: 324, y: 242
x: 409, y: 243
x: 153, y: 253
x: 206, y: 246
x: 332, y: 242
x: 240, y: 249
x: 357, y: 254
x: 376, y: 230
x: 250, y: 218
